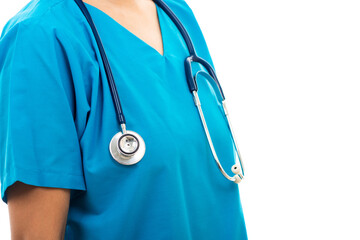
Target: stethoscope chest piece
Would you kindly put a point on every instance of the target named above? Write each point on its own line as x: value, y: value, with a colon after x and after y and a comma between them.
x: 127, y: 148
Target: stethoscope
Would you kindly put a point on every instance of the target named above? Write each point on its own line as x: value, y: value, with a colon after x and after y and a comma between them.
x: 128, y: 147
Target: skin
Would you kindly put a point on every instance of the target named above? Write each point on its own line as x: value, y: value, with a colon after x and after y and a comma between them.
x: 137, y: 16
x: 39, y: 213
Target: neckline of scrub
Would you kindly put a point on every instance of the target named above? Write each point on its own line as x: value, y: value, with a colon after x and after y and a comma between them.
x: 160, y: 22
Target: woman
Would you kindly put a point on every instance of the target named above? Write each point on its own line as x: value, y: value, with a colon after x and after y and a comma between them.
x: 57, y: 118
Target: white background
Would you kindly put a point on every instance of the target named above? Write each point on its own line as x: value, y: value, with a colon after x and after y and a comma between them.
x: 291, y: 73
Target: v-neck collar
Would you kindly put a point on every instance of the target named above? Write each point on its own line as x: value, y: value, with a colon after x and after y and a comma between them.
x: 160, y: 21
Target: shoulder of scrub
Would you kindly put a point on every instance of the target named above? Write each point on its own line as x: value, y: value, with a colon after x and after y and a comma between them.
x: 38, y: 15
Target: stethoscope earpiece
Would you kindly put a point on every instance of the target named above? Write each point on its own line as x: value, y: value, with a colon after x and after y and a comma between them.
x: 236, y: 169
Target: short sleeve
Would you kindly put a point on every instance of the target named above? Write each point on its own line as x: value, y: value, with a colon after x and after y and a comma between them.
x: 39, y: 143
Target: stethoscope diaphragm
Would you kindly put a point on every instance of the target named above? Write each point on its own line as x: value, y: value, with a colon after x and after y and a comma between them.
x: 127, y: 148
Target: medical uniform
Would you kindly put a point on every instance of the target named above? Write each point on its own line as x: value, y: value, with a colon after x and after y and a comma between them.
x: 58, y: 117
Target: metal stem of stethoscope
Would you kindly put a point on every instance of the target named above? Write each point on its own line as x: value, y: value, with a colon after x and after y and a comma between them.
x: 237, y: 169
x: 238, y: 176
x: 236, y: 144
x: 128, y: 147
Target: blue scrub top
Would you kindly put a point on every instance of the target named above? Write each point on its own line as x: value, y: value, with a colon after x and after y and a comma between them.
x: 57, y: 119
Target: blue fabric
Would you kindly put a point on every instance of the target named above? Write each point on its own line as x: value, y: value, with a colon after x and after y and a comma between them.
x: 57, y: 119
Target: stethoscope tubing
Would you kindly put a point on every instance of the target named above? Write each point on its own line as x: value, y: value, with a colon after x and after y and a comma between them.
x: 190, y: 77
x: 108, y: 71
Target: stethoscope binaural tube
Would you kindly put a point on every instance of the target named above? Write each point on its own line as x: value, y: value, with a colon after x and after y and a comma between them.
x: 128, y: 147
x: 237, y: 168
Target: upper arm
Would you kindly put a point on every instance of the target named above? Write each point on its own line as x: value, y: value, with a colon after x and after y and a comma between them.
x: 37, y: 212
x: 39, y: 142
x: 40, y: 154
